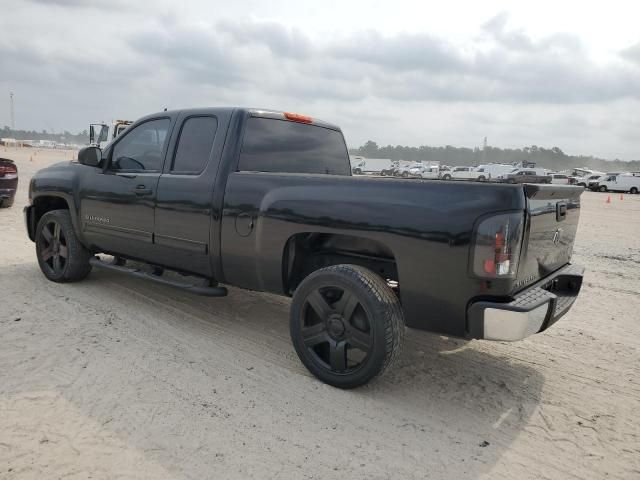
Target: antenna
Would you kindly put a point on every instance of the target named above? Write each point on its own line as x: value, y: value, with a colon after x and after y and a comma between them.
x: 13, y: 115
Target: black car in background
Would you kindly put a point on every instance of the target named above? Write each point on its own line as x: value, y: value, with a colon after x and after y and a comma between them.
x: 8, y: 182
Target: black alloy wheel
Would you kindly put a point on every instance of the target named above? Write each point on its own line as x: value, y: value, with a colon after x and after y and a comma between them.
x: 346, y: 325
x: 62, y: 258
x: 333, y: 332
x: 54, y: 251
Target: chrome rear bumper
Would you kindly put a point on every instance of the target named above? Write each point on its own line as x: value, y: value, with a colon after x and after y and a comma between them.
x: 531, y: 311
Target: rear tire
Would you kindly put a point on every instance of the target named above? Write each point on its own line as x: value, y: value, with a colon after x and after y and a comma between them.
x: 633, y: 190
x: 346, y: 325
x: 61, y: 256
x: 357, y: 171
x: 446, y: 177
x: 481, y: 178
x: 602, y: 188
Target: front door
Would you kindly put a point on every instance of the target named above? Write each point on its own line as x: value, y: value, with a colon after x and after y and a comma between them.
x: 117, y: 204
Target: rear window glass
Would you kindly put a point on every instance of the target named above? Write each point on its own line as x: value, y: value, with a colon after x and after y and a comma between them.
x: 194, y: 146
x: 272, y: 145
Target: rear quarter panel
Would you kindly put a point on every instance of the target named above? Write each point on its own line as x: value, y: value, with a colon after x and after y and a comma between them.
x: 427, y: 225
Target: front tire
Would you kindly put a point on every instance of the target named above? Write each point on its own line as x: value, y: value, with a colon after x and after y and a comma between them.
x: 346, y: 325
x: 62, y: 258
x: 602, y: 188
x: 633, y: 190
x: 446, y: 177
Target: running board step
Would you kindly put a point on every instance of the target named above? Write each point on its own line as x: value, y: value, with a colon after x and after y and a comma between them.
x: 136, y: 272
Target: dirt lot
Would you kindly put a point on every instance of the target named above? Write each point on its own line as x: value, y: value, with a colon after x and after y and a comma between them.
x: 116, y: 377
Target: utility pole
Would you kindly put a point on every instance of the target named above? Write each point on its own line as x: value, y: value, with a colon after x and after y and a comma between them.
x: 484, y: 151
x: 13, y: 115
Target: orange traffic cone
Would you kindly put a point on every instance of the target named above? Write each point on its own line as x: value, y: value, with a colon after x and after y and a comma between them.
x: 608, y: 199
x: 621, y: 197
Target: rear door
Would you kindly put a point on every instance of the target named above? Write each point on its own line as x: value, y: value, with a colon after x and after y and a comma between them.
x: 117, y: 204
x: 552, y: 222
x: 183, y: 214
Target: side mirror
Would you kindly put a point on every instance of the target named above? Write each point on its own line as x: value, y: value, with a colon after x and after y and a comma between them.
x: 90, y: 156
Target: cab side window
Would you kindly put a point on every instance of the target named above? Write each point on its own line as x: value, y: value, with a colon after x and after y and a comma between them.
x: 194, y: 146
x: 141, y: 148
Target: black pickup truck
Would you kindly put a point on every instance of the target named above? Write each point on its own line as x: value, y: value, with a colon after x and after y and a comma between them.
x: 265, y: 201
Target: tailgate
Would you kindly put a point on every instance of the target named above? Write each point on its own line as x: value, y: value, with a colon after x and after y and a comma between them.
x: 552, y: 222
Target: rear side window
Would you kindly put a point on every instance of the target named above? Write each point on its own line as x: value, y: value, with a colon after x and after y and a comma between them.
x: 272, y: 145
x: 194, y: 145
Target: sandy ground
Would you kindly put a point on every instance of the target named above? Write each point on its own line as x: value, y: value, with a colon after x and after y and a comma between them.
x: 116, y: 377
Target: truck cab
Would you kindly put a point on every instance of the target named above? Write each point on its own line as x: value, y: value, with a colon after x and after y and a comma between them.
x: 101, y: 134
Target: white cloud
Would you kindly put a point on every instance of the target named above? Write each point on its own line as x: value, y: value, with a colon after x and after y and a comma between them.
x: 71, y: 63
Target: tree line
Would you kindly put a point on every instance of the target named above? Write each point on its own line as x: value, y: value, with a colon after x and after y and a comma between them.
x: 64, y: 137
x: 552, y: 158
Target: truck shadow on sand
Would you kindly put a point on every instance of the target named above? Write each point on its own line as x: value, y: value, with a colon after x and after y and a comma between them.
x: 451, y: 401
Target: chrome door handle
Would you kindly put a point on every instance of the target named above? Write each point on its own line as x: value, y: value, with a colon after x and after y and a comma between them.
x: 142, y: 190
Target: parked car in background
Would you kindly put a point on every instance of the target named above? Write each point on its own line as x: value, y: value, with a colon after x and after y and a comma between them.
x: 584, y: 181
x: 559, y: 178
x: 625, y: 182
x: 594, y: 183
x: 425, y: 171
x: 8, y: 182
x: 579, y: 175
x: 373, y: 166
x: 464, y: 173
x: 528, y: 175
x: 390, y: 171
x: 404, y: 167
x: 493, y: 171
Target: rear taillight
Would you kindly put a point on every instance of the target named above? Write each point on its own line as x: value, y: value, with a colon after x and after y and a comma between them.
x: 496, y: 250
x: 8, y: 170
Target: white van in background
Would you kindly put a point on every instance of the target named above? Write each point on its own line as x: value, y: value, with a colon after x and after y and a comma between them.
x: 494, y: 170
x: 362, y: 165
x: 625, y: 182
x: 463, y: 173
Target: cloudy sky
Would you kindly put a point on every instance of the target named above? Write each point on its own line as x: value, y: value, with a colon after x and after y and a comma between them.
x: 549, y: 73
